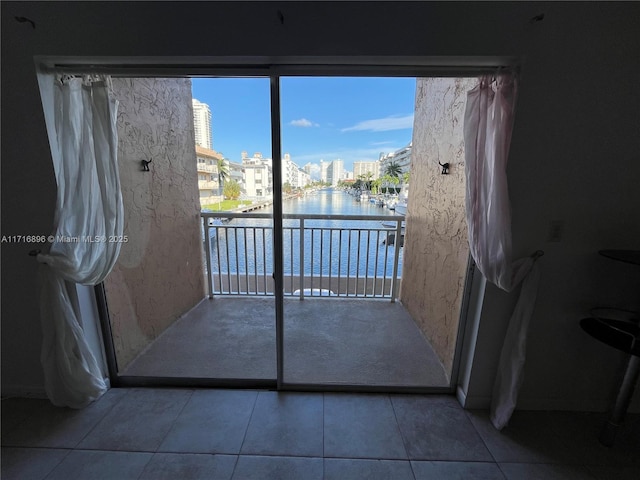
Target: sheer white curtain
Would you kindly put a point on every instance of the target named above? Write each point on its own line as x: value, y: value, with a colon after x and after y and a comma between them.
x: 81, y: 124
x: 488, y: 126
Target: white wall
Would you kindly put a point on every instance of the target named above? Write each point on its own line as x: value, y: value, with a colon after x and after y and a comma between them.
x: 575, y: 152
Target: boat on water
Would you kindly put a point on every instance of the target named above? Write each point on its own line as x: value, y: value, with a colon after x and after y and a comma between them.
x: 401, y: 208
x: 392, y: 225
x: 403, y: 196
x: 315, y: 292
x: 217, y: 222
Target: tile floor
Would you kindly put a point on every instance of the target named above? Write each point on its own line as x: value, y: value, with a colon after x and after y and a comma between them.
x: 185, y: 434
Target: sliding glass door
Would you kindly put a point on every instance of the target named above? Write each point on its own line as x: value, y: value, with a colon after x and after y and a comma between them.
x: 266, y: 221
x: 191, y: 296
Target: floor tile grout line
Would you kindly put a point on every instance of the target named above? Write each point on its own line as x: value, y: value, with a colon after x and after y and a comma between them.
x: 502, y: 472
x: 57, y: 464
x: 235, y: 465
x: 146, y: 464
x: 468, y: 416
x: 107, y: 412
x: 246, y: 429
x: 173, y: 422
x: 323, y: 433
x: 404, y: 440
x: 69, y: 450
x: 388, y: 459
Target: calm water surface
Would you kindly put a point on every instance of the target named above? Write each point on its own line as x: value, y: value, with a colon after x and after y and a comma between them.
x: 331, y: 247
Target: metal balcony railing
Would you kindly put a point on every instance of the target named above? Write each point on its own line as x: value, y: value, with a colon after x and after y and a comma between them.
x: 324, y: 255
x: 203, y: 167
x: 207, y: 184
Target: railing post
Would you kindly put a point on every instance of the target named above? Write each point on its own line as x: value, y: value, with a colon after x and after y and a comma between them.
x: 207, y: 253
x: 396, y: 257
x: 302, y: 258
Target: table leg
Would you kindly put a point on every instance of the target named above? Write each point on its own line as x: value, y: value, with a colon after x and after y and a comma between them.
x: 608, y: 435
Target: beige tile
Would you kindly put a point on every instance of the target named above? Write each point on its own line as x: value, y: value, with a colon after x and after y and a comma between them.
x: 284, y: 423
x: 139, y: 422
x: 435, y: 429
x: 185, y: 466
x: 278, y: 468
x: 361, y: 426
x: 212, y: 421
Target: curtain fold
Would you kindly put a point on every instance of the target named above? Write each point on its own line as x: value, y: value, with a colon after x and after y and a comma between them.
x: 81, y: 122
x: 488, y: 126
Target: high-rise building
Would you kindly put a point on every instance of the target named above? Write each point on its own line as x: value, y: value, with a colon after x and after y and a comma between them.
x: 362, y: 168
x: 323, y: 170
x: 335, y: 172
x: 401, y: 157
x: 202, y: 124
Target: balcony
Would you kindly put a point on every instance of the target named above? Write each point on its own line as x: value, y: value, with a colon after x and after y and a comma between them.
x: 349, y: 330
x: 207, y: 185
x: 203, y: 167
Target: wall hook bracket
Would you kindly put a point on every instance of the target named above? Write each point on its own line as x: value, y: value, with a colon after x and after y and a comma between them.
x: 445, y: 168
x: 145, y: 164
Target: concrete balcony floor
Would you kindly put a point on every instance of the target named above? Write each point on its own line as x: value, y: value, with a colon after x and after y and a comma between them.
x: 326, y: 341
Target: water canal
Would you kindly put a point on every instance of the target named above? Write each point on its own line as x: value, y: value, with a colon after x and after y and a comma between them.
x: 331, y: 247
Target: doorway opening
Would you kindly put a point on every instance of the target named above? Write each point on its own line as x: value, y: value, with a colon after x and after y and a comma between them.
x: 356, y: 289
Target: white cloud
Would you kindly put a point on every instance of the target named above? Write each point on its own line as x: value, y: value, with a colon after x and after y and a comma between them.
x: 303, y: 122
x: 393, y: 122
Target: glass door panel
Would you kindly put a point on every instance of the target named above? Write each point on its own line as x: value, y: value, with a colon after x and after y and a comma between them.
x: 191, y: 296
x: 346, y: 146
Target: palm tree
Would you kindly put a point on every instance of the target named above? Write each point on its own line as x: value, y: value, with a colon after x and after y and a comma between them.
x: 223, y: 173
x: 388, y: 180
x: 366, y: 179
x: 394, y: 181
x: 232, y: 190
x: 376, y: 186
x: 393, y: 169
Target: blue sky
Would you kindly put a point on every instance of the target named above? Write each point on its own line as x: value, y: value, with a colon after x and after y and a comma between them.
x: 353, y: 119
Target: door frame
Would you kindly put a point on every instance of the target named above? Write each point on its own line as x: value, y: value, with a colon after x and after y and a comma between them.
x: 274, y: 69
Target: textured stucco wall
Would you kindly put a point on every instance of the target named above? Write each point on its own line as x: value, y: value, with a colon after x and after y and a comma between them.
x: 159, y: 274
x: 436, y: 248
